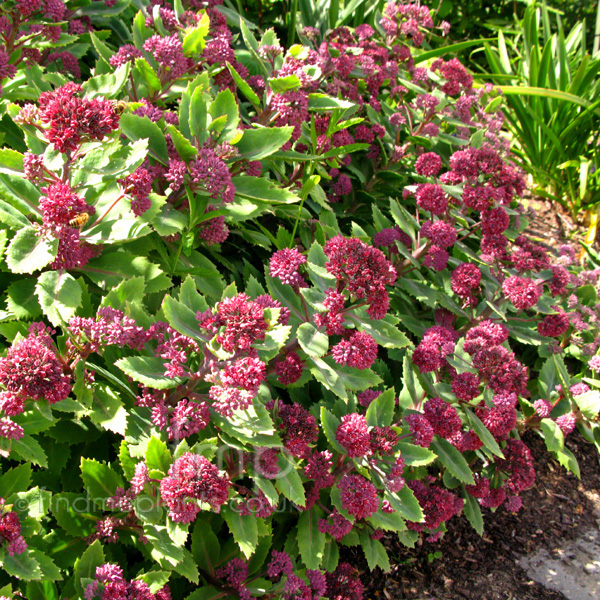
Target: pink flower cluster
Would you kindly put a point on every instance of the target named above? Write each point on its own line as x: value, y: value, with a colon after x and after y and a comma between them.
x: 192, y: 477
x: 362, y: 270
x: 110, y: 584
x: 10, y: 531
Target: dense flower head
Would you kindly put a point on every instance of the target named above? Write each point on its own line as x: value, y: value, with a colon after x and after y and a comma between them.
x: 442, y: 417
x: 428, y: 164
x: 420, y: 429
x: 431, y: 197
x: 522, y: 292
x: 188, y: 417
x: 358, y: 496
x: 138, y: 185
x: 31, y: 370
x: 10, y: 531
x: 442, y: 234
x: 285, y: 264
x: 466, y: 386
x: 110, y: 584
x: 109, y: 327
x: 333, y: 319
x: 60, y: 204
x: 438, y: 505
x: 567, y: 422
x: 344, y: 583
x: 518, y: 463
x: 502, y: 371
x: 358, y: 351
x: 494, y: 221
x: 125, y: 54
x: 484, y: 335
x: 353, y: 435
x: 430, y: 354
x: 192, y: 477
x: 74, y: 120
x: 298, y: 427
x: 553, y: 325
x: 500, y: 420
x: 211, y: 171
x: 457, y: 77
x: 244, y: 322
x: 289, y: 368
x: 336, y: 525
x: 465, y: 280
x: 168, y: 53
x: 364, y: 270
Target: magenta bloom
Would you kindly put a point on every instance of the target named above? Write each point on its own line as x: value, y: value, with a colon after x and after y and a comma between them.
x: 285, y: 266
x: 32, y: 371
x: 289, y: 369
x: 428, y: 164
x: 244, y: 322
x: 522, y: 292
x: 420, y: 428
x: 75, y: 120
x: 359, y: 351
x: 359, y: 496
x: 432, y: 197
x: 465, y: 280
x: 443, y: 417
x: 353, y: 434
x: 299, y: 428
x: 553, y: 325
x: 192, y: 477
x: 365, y: 271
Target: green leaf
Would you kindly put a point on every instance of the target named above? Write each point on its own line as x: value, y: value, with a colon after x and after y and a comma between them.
x: 243, y: 528
x: 10, y: 161
x: 205, y: 593
x: 322, y: 102
x: 453, y: 460
x: 75, y: 513
x: 483, y: 433
x: 473, y: 512
x: 388, y: 521
x: 258, y: 188
x: 162, y: 548
x: 18, y: 191
x: 21, y: 300
x: 136, y: 128
x: 182, y: 145
x: 279, y: 85
x: 85, y: 567
x: 288, y: 481
x: 354, y: 379
x: 261, y: 142
x: 195, y: 39
x: 23, y: 566
x: 17, y: 479
x: 252, y: 426
x: 406, y: 504
x: 100, y: 480
x: 181, y: 318
x: 148, y: 370
x: 311, y: 542
x: 33, y: 503
x: 11, y: 217
x: 312, y: 341
x: 375, y: 552
x: 243, y: 87
x: 108, y: 411
x: 28, y: 448
x: 330, y: 424
x: 588, y: 403
x: 158, y: 456
x: 28, y: 251
x: 553, y: 435
x: 415, y: 456
x: 225, y: 105
x: 383, y: 331
x: 205, y: 547
x: 59, y: 295
x: 156, y: 580
x: 380, y: 412
x: 567, y: 459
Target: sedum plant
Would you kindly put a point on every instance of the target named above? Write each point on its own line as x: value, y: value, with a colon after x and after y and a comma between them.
x: 264, y: 303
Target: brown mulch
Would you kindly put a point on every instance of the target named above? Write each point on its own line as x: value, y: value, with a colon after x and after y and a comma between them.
x: 464, y: 565
x: 560, y: 507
